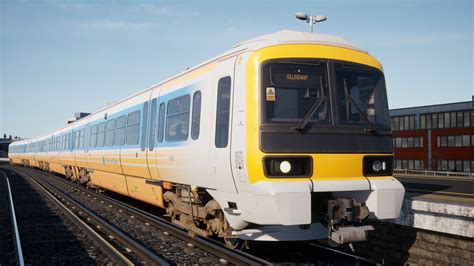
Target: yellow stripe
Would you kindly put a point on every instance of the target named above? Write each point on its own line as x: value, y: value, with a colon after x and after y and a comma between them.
x: 326, y: 166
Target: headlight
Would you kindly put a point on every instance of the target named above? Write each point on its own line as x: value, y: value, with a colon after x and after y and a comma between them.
x: 285, y: 167
x: 288, y: 166
x: 378, y: 165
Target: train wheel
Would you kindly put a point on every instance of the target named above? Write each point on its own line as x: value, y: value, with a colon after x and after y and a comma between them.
x: 233, y: 242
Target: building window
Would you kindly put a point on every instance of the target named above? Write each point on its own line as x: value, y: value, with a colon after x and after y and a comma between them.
x: 453, y: 119
x: 466, y: 141
x: 451, y: 141
x: 460, y: 120
x: 451, y: 166
x: 406, y: 123
x: 410, y: 142
x: 434, y: 119
x: 133, y: 128
x: 177, y: 119
x: 440, y: 121
x: 398, y: 142
x: 466, y: 166
x: 412, y: 122
x: 466, y: 119
x: 223, y: 112
x: 423, y: 121
x: 416, y: 142
x: 446, y: 120
x: 444, y: 141
x: 428, y: 121
x: 472, y: 121
x: 458, y: 141
x: 458, y: 166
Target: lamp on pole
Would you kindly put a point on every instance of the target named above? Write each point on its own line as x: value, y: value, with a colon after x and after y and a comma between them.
x: 310, y: 19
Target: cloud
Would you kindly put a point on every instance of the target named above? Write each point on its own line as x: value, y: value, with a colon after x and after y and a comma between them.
x: 110, y: 24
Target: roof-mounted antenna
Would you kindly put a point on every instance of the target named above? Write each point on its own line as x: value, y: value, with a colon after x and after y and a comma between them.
x: 310, y: 19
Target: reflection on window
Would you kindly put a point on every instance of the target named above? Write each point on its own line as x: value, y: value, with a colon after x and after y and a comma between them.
x: 119, y: 138
x: 223, y: 112
x: 291, y: 89
x: 367, y: 89
x: 133, y: 128
x: 109, y: 133
x: 196, y: 119
x: 177, y: 119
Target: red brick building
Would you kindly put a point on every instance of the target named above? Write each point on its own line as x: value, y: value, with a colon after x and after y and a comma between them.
x: 435, y: 137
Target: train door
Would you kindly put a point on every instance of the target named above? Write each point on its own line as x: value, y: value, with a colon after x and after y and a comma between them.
x: 152, y: 136
x: 238, y: 126
x: 220, y: 145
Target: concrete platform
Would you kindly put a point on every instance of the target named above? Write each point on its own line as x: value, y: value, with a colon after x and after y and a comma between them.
x: 446, y: 217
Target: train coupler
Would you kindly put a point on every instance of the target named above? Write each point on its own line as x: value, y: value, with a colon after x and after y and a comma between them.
x: 349, y: 234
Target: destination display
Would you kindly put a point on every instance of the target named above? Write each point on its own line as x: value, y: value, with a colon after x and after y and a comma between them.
x: 295, y: 77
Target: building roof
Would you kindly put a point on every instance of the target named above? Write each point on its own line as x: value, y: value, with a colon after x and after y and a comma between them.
x: 435, y: 108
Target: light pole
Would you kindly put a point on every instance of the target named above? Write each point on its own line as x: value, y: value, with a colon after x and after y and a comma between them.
x: 310, y: 19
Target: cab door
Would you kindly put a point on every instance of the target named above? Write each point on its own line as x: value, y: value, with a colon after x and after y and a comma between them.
x: 221, y: 142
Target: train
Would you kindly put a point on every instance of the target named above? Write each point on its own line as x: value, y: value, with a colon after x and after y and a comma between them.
x: 284, y: 137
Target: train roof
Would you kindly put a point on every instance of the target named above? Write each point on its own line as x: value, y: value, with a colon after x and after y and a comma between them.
x: 277, y: 38
x: 296, y: 37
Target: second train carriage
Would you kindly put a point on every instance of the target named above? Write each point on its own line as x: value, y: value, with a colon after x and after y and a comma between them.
x: 284, y: 137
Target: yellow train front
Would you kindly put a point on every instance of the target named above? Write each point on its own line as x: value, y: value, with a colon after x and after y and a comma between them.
x: 317, y: 149
x: 287, y: 137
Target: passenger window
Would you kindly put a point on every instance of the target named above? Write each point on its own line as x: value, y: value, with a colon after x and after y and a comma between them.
x: 83, y: 136
x: 109, y: 133
x: 177, y: 119
x: 161, y: 122
x: 152, y: 125
x: 223, y: 107
x: 100, y: 134
x: 144, y: 124
x: 196, y: 119
x: 133, y: 128
x: 93, y: 136
x: 119, y: 139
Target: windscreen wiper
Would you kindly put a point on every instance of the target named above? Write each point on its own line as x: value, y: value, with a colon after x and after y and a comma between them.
x: 302, y: 125
x: 349, y: 100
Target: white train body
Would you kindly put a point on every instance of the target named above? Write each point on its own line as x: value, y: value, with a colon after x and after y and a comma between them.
x: 227, y: 152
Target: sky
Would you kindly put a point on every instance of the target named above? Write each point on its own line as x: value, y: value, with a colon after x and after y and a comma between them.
x: 61, y: 57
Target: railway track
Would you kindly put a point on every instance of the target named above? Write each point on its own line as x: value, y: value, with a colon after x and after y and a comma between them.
x: 214, y: 252
x: 39, y: 229
x: 11, y: 246
x: 154, y: 233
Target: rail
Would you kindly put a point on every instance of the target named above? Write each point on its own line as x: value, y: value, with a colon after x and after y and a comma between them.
x: 18, y: 250
x: 236, y: 257
x: 433, y: 173
x: 105, y: 246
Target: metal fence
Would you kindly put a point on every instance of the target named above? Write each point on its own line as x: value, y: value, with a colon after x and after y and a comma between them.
x: 432, y: 173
